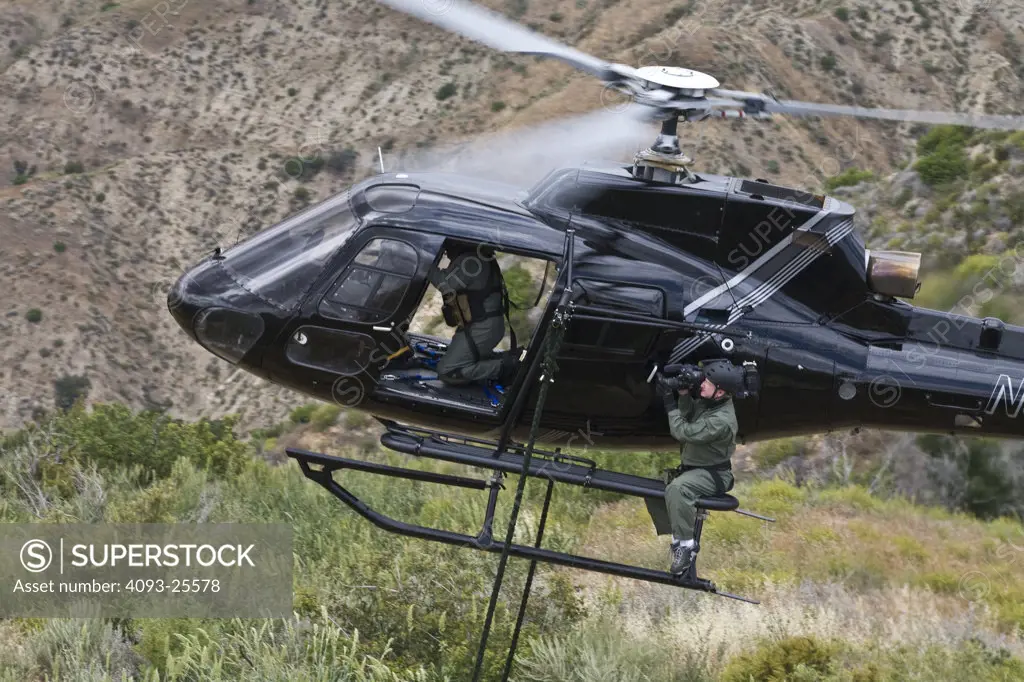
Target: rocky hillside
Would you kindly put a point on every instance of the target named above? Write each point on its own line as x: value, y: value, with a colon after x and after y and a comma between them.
x: 138, y: 135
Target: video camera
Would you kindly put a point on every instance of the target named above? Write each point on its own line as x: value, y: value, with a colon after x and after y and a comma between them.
x: 740, y: 381
x: 679, y: 377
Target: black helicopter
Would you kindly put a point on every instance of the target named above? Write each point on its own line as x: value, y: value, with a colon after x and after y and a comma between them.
x: 656, y: 265
x: 669, y: 266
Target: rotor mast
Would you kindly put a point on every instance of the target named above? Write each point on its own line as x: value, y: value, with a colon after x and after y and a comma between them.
x: 664, y: 161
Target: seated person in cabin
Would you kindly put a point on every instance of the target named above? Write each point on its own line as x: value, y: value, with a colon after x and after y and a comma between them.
x: 475, y: 302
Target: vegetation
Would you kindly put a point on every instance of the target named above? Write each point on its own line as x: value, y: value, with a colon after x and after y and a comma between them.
x: 34, y: 315
x: 943, y: 158
x: 446, y: 91
x: 851, y: 176
x: 854, y: 586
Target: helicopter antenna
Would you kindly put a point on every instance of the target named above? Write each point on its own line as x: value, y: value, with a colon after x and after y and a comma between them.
x: 380, y: 155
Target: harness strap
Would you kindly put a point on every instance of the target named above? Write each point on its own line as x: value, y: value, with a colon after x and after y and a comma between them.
x: 716, y: 476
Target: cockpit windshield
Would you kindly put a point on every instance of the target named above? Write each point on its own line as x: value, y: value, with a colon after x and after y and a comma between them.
x: 282, y: 263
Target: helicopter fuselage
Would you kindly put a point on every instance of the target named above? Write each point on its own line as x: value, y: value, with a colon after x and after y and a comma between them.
x: 720, y: 267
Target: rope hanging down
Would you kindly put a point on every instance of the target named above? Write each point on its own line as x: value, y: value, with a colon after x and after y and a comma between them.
x: 549, y: 367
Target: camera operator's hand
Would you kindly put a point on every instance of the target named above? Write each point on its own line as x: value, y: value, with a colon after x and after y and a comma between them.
x: 666, y: 389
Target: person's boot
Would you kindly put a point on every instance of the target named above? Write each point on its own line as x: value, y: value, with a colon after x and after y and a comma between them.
x: 682, y: 557
x: 509, y: 369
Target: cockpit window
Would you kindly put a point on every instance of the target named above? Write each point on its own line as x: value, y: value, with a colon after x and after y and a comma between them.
x: 282, y: 263
x: 372, y: 286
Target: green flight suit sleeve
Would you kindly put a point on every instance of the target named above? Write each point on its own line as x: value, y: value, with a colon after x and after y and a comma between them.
x: 704, y: 429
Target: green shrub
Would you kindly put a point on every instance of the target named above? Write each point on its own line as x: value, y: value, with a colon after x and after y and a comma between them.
x: 943, y: 166
x: 497, y: 106
x: 782, y: 660
x: 292, y: 92
x: 446, y: 91
x: 304, y: 413
x: 343, y: 160
x: 69, y: 389
x: 942, y: 137
x: 59, y: 247
x: 851, y: 176
x: 771, y: 453
x: 34, y: 315
x: 325, y: 416
x: 113, y: 436
x: 842, y: 14
x: 301, y: 193
x: 72, y: 167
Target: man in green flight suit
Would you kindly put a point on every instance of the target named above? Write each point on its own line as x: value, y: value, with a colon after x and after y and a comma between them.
x: 706, y: 430
x: 473, y: 291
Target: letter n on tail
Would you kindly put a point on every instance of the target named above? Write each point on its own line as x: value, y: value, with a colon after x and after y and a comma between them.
x: 1003, y: 392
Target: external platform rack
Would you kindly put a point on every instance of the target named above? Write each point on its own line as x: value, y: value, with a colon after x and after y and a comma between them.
x: 556, y: 467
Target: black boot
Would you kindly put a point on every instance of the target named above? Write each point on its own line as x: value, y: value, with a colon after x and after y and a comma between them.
x: 509, y: 369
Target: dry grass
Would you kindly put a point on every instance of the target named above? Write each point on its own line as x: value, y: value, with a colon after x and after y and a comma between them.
x: 901, y: 559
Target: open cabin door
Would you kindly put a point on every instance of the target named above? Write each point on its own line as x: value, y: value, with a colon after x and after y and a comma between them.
x: 357, y: 318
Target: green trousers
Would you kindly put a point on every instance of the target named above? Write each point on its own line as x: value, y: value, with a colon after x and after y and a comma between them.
x: 459, y: 366
x: 681, y: 494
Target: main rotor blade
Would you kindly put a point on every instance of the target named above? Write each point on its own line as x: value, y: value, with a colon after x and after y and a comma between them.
x: 525, y: 155
x: 934, y: 117
x: 759, y: 102
x: 497, y: 31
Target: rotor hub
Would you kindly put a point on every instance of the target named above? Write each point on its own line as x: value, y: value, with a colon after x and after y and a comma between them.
x: 685, y: 81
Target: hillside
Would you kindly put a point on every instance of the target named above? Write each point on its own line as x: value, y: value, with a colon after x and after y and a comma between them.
x: 855, y: 586
x: 141, y: 135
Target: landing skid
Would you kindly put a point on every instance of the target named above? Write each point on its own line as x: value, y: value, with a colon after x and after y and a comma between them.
x: 320, y: 468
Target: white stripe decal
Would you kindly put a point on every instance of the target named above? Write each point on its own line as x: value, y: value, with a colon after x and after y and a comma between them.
x: 770, y: 286
x: 739, y: 278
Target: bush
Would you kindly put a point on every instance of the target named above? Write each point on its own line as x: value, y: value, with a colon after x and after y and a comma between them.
x: 325, y: 416
x: 112, y: 436
x: 445, y: 91
x: 804, y: 656
x: 943, y: 166
x: 828, y: 62
x: 72, y: 167
x: 292, y: 92
x: 773, y: 452
x: 850, y: 176
x: 301, y: 193
x: 34, y: 315
x: 497, y: 106
x: 842, y: 14
x: 940, y: 137
x: 59, y: 247
x: 69, y: 389
x: 303, y: 414
x: 341, y: 161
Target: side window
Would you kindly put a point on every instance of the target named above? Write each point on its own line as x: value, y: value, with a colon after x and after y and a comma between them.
x: 591, y: 338
x: 372, y: 286
x: 634, y: 299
